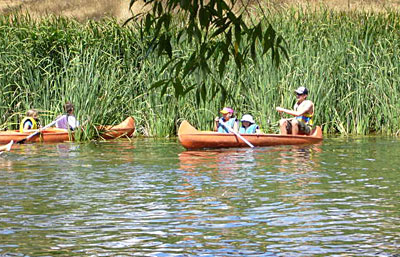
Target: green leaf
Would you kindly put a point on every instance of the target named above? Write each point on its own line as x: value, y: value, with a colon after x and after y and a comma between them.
x: 159, y: 8
x: 165, y: 66
x: 253, y: 51
x: 189, y: 65
x: 222, y: 64
x: 187, y: 90
x: 178, y: 88
x: 221, y: 29
x: 269, y: 39
x: 148, y: 22
x: 204, y: 18
x: 158, y: 84
x: 164, y: 90
x: 238, y: 33
x: 178, y: 67
x: 168, y: 47
x: 203, y: 92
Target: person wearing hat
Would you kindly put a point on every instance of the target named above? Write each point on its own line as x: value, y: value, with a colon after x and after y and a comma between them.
x: 303, y: 113
x: 249, y: 126
x: 228, y: 121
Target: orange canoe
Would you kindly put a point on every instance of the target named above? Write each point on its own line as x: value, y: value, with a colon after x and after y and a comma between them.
x: 192, y: 138
x: 124, y: 129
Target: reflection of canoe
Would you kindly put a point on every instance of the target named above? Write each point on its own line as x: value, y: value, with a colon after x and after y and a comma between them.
x: 126, y: 128
x: 192, y: 138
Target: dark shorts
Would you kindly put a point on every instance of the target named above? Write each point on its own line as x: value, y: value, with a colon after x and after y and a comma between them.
x: 303, y: 128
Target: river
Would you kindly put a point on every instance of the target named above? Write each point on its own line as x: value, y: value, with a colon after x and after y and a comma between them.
x: 151, y: 197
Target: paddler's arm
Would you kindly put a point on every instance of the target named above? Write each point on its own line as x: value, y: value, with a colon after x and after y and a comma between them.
x: 236, y: 126
x: 216, y: 122
x: 295, y: 113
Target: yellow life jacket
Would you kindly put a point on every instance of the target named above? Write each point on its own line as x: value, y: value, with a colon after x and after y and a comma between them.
x: 32, y: 120
x: 306, y: 118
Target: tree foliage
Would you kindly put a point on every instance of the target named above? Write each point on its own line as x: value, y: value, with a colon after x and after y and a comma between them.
x: 220, y: 32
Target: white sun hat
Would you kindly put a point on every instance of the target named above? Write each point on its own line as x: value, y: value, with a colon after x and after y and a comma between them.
x: 248, y: 117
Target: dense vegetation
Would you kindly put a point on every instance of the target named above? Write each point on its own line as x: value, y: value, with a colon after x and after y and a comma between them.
x: 349, y: 61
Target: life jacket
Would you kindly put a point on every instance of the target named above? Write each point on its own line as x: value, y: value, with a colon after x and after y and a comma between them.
x: 250, y: 129
x: 230, y: 123
x: 306, y: 117
x: 32, y: 120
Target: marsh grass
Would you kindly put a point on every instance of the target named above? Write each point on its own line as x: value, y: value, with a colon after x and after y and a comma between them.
x: 349, y: 61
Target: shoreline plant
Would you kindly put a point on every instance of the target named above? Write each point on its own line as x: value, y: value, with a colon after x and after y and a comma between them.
x: 348, y: 60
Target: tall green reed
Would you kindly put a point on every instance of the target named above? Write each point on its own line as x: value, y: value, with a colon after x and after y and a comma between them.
x: 349, y: 62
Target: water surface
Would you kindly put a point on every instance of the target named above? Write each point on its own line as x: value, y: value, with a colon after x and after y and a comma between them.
x: 151, y: 197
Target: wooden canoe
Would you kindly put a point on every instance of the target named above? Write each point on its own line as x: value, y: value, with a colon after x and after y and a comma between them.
x: 191, y: 138
x: 53, y: 135
x: 124, y: 129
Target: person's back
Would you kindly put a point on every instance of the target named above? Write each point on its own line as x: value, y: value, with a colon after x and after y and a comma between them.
x: 30, y: 121
x: 68, y: 120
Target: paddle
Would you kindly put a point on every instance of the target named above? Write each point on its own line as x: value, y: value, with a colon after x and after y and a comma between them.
x: 6, y: 147
x: 237, y: 134
x: 38, y: 131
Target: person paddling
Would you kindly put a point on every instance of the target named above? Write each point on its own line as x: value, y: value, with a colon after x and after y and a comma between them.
x: 228, y: 120
x: 68, y: 120
x: 30, y: 121
x: 303, y: 112
x: 249, y: 126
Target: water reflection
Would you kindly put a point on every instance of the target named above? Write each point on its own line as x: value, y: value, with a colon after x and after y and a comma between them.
x: 222, y: 161
x: 148, y: 198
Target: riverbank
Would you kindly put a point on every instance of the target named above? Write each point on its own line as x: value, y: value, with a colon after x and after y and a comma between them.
x: 349, y: 61
x: 99, y: 9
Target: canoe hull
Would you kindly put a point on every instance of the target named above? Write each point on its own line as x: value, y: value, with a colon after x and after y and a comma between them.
x: 52, y: 135
x: 55, y: 135
x: 191, y: 138
x: 124, y: 129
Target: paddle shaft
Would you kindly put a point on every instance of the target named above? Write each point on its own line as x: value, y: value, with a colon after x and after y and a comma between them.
x: 37, y: 132
x: 237, y: 134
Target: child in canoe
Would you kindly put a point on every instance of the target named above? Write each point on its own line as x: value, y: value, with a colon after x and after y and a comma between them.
x: 68, y: 120
x: 249, y: 126
x: 227, y: 122
x: 30, y: 121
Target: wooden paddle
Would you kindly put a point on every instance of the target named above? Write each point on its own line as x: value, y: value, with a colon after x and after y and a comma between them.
x: 237, y: 134
x: 38, y: 131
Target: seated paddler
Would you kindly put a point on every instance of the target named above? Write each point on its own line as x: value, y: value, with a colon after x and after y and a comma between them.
x: 30, y: 121
x: 248, y: 126
x: 67, y: 120
x: 227, y: 122
x: 303, y: 112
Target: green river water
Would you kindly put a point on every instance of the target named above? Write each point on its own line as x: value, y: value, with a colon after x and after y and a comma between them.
x: 151, y: 197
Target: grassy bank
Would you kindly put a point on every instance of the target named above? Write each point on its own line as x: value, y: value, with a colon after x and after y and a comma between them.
x: 349, y: 62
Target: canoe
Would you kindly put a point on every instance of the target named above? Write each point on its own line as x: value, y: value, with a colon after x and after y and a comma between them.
x: 191, y: 138
x: 124, y: 129
x: 53, y: 135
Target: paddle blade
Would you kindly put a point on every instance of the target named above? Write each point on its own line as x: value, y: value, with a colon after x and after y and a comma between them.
x: 9, y: 145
